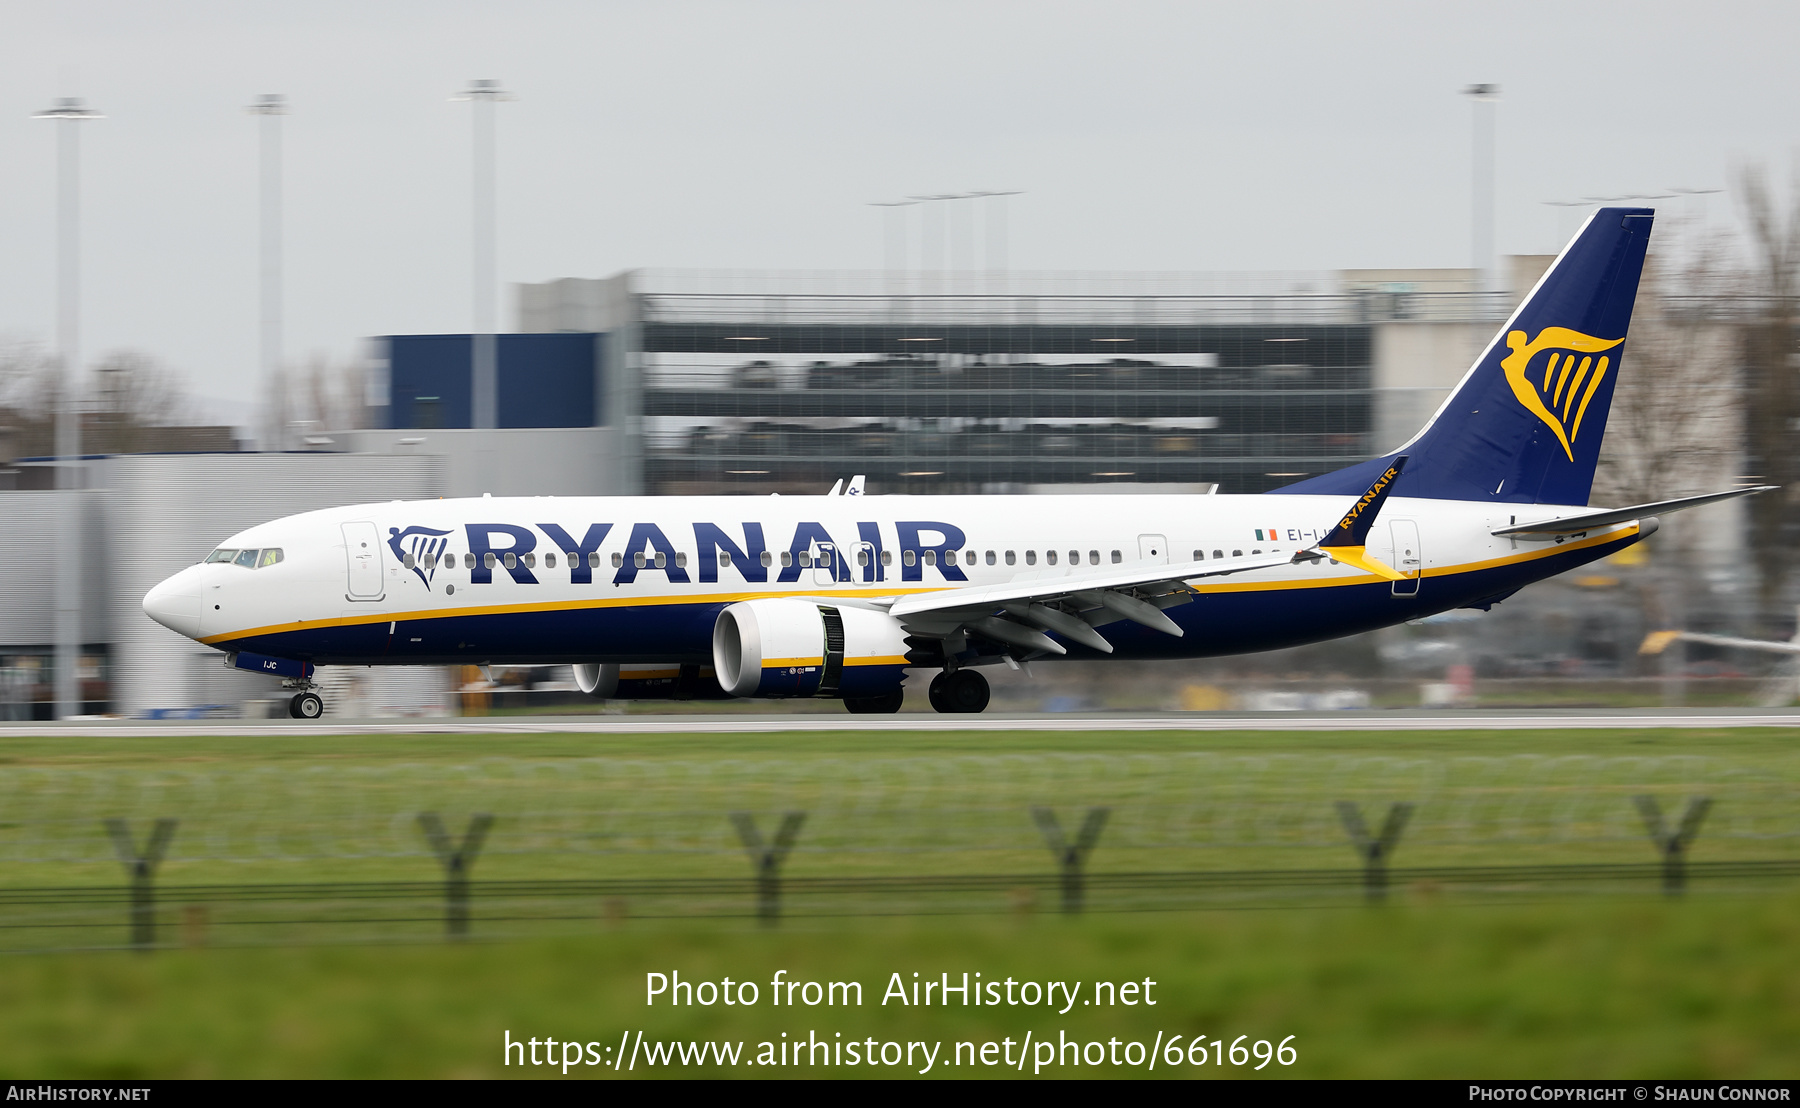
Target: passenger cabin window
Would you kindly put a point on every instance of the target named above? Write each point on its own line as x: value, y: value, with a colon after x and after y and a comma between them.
x: 550, y: 561
x: 1049, y: 557
x: 662, y: 560
x: 407, y: 559
x: 1199, y: 555
x: 768, y: 559
x: 637, y: 559
x: 1218, y: 553
x: 681, y: 561
x: 530, y: 561
x: 1237, y: 553
x: 887, y: 557
x: 469, y: 560
x: 594, y: 559
x: 449, y: 561
x: 862, y: 557
x: 1031, y: 557
x: 990, y: 557
x: 220, y: 555
x: 787, y: 558
x: 618, y: 560
x: 1011, y: 558
x: 931, y: 557
x: 805, y: 559
x: 910, y: 557
x: 1093, y: 557
x: 724, y: 560
x: 1117, y: 557
x: 512, y: 560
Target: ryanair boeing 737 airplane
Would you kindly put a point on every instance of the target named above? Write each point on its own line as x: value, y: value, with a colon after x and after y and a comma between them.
x: 838, y: 596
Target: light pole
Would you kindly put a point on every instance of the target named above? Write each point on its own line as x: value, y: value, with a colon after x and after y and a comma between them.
x: 1481, y: 222
x: 68, y: 112
x: 271, y: 107
x: 484, y: 372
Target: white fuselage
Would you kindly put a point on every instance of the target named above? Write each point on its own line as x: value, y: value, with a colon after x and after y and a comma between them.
x: 409, y: 582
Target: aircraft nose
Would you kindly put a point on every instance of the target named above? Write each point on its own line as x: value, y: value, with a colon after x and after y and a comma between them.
x: 176, y: 604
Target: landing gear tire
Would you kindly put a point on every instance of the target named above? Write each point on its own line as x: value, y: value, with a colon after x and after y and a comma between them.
x: 885, y: 704
x: 964, y: 692
x: 306, y: 705
x: 935, y: 693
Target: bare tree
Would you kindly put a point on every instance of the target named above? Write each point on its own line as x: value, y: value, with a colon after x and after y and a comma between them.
x: 312, y: 400
x: 1772, y: 396
x: 134, y: 394
x: 1674, y: 413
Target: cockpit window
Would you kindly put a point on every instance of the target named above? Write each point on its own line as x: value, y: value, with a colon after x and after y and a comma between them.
x: 221, y: 555
x: 270, y: 556
x: 245, y: 558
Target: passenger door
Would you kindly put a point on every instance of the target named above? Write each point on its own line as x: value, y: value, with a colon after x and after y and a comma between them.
x: 1409, y: 558
x: 362, y: 554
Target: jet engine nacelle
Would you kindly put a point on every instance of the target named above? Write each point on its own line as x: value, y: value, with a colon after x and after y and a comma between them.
x: 780, y: 648
x: 649, y: 682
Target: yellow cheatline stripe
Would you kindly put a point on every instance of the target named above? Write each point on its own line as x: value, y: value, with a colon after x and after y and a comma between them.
x: 872, y: 660
x: 1441, y: 571
x: 545, y: 606
x: 727, y: 598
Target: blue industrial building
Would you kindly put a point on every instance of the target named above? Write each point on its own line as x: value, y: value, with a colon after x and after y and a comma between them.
x: 542, y: 381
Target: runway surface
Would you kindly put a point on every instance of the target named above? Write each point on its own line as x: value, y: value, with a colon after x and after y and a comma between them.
x: 766, y: 723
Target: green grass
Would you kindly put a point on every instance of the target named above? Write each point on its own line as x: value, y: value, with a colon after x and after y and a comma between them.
x: 1579, y: 984
x: 1621, y: 989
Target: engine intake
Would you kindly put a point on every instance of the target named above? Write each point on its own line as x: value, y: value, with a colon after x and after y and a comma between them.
x: 782, y: 648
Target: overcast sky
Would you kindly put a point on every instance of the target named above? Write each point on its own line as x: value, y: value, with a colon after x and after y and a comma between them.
x: 1149, y: 136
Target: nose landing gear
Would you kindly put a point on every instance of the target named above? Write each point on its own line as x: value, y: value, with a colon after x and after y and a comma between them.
x: 306, y: 705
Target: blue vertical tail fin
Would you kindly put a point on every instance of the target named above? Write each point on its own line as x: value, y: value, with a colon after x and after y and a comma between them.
x: 1524, y: 425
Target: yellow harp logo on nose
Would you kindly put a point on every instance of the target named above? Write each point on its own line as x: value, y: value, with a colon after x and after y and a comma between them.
x: 1557, y: 390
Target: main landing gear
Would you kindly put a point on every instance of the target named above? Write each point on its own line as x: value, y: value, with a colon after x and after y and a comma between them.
x: 885, y: 704
x: 962, y: 691
x: 306, y: 705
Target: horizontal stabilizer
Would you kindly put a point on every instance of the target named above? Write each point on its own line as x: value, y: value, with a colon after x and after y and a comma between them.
x: 1568, y: 525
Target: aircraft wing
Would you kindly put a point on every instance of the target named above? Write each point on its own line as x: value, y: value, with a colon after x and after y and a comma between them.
x: 1568, y: 525
x: 1071, y: 603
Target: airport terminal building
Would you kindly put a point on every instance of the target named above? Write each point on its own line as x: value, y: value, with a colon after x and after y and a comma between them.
x: 704, y: 383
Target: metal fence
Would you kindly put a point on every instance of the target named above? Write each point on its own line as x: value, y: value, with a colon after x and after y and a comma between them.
x: 99, y: 857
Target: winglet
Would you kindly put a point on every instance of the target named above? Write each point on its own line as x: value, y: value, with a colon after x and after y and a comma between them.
x: 1353, y: 529
x: 1347, y: 540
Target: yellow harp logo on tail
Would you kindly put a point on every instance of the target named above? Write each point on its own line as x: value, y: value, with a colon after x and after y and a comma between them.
x: 1558, y: 390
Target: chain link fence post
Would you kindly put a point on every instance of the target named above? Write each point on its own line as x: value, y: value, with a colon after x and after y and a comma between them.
x: 768, y: 859
x: 1375, y: 849
x: 456, y: 861
x: 142, y: 868
x: 1071, y: 857
x: 1673, y: 845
